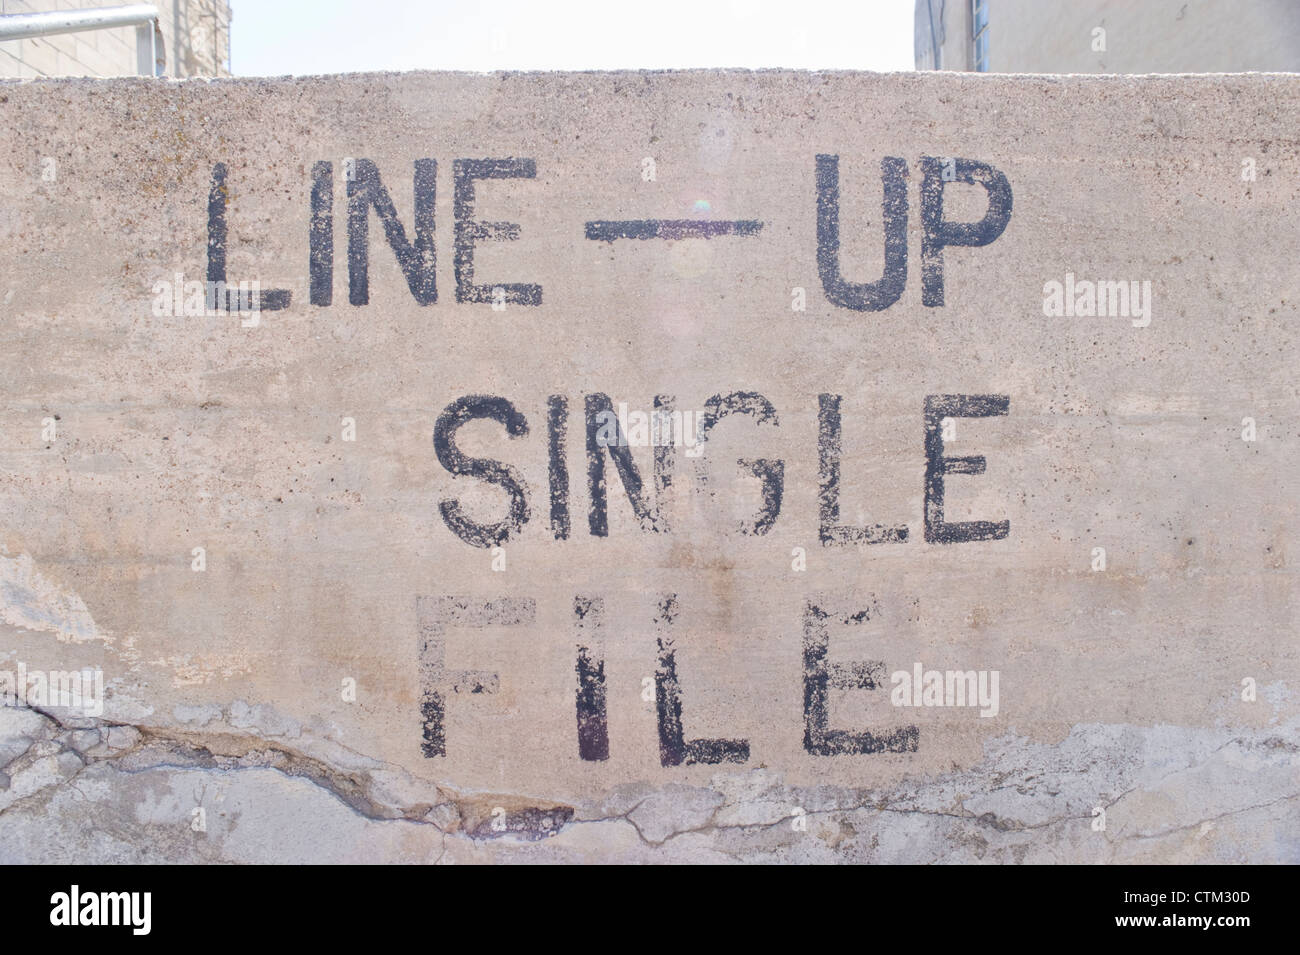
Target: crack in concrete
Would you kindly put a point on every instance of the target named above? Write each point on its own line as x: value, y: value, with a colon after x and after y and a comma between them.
x: 475, y: 817
x: 1211, y: 819
x: 156, y: 749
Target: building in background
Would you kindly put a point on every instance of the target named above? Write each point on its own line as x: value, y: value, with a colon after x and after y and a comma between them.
x: 1108, y: 36
x: 191, y: 38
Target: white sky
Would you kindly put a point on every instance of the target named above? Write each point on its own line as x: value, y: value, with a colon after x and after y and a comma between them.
x: 277, y: 37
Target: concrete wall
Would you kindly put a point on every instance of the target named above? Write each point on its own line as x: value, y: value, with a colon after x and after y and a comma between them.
x: 196, y: 40
x: 347, y: 607
x: 1155, y: 36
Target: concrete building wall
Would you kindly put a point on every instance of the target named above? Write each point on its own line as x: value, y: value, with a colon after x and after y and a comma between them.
x: 270, y: 533
x: 1114, y: 36
x: 196, y: 42
x: 943, y: 35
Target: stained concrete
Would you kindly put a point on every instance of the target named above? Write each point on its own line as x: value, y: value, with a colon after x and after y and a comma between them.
x: 327, y: 560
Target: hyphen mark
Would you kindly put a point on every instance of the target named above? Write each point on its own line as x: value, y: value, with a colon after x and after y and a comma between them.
x: 605, y: 230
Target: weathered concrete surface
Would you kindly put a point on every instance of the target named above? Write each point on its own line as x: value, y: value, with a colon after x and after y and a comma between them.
x: 326, y: 560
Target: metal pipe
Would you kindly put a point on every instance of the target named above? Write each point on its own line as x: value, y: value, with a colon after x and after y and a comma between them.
x: 150, y: 57
x: 17, y: 26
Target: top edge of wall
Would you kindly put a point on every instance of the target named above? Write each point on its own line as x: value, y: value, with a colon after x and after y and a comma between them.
x: 948, y: 76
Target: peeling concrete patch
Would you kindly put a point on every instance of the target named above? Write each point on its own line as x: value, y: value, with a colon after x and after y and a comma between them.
x: 1167, y: 792
x: 263, y: 719
x: 198, y: 715
x: 30, y: 601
